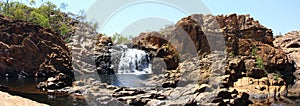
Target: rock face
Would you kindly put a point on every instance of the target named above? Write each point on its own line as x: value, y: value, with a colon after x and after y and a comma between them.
x: 159, y: 47
x: 83, y: 48
x: 210, y: 60
x: 254, y: 64
x: 103, y: 60
x: 29, y: 50
x: 202, y: 34
x: 243, y: 26
x: 290, y: 44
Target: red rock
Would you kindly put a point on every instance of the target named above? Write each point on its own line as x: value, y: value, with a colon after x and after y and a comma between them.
x: 28, y: 47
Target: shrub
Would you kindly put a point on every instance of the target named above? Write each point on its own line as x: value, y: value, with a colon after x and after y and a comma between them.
x: 39, y: 19
x: 253, y: 50
x: 118, y: 38
x: 64, y: 30
x: 260, y: 63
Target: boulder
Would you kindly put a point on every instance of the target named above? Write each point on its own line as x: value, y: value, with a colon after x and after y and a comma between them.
x: 59, y: 81
x: 29, y: 50
x: 159, y: 47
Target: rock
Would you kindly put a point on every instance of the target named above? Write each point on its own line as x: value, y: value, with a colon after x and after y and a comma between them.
x: 10, y: 100
x: 30, y: 50
x: 84, y: 45
x: 194, y: 32
x: 171, y: 79
x: 159, y: 47
x: 203, y: 88
x: 243, y: 100
x: 289, y: 43
x: 252, y: 68
x: 57, y: 82
x: 104, y: 41
x: 244, y: 26
x: 273, y: 59
x: 266, y: 87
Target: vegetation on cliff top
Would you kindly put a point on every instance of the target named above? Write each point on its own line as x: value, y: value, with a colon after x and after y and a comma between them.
x: 47, y: 15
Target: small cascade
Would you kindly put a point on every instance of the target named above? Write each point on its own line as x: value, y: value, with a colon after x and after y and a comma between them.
x: 121, y: 65
x: 134, y: 61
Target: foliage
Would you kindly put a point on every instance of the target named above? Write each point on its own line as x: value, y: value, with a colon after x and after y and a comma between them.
x: 64, y: 30
x: 277, y: 75
x: 168, y: 46
x: 118, y: 38
x: 231, y: 54
x: 39, y: 19
x: 259, y: 60
x: 47, y: 15
x: 260, y: 63
x: 254, y: 50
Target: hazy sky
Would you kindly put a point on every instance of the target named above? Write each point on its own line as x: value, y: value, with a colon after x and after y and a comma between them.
x: 281, y: 16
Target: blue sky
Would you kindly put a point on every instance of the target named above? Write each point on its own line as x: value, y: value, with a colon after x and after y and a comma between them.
x: 281, y: 16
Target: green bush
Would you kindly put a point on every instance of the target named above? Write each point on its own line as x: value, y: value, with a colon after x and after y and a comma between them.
x: 64, y: 30
x: 47, y: 15
x: 118, y: 38
x: 39, y: 19
x: 253, y: 50
x: 260, y: 63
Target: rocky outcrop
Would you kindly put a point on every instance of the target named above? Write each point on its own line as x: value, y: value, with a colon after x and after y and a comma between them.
x: 83, y: 48
x: 241, y: 63
x: 230, y: 28
x: 244, y: 26
x: 29, y: 50
x: 104, y: 57
x: 290, y: 44
x: 159, y: 47
x: 202, y: 34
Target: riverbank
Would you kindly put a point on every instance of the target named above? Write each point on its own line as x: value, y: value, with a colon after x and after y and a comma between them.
x: 10, y: 100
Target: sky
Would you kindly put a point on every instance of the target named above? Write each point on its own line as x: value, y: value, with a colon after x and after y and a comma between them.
x: 131, y: 17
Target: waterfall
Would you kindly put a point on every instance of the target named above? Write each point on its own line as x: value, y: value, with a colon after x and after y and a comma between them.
x: 134, y: 61
x: 121, y: 65
x: 126, y: 60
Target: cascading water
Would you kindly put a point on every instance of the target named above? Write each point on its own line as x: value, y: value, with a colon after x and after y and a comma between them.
x: 127, y: 60
x: 124, y: 66
x: 134, y: 61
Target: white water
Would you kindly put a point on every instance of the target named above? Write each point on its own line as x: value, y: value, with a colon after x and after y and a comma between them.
x: 134, y: 61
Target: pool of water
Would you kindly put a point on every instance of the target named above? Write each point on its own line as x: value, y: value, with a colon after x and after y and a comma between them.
x: 26, y: 87
x: 125, y: 80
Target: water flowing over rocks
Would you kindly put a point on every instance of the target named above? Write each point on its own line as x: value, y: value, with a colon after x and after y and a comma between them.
x: 121, y: 59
